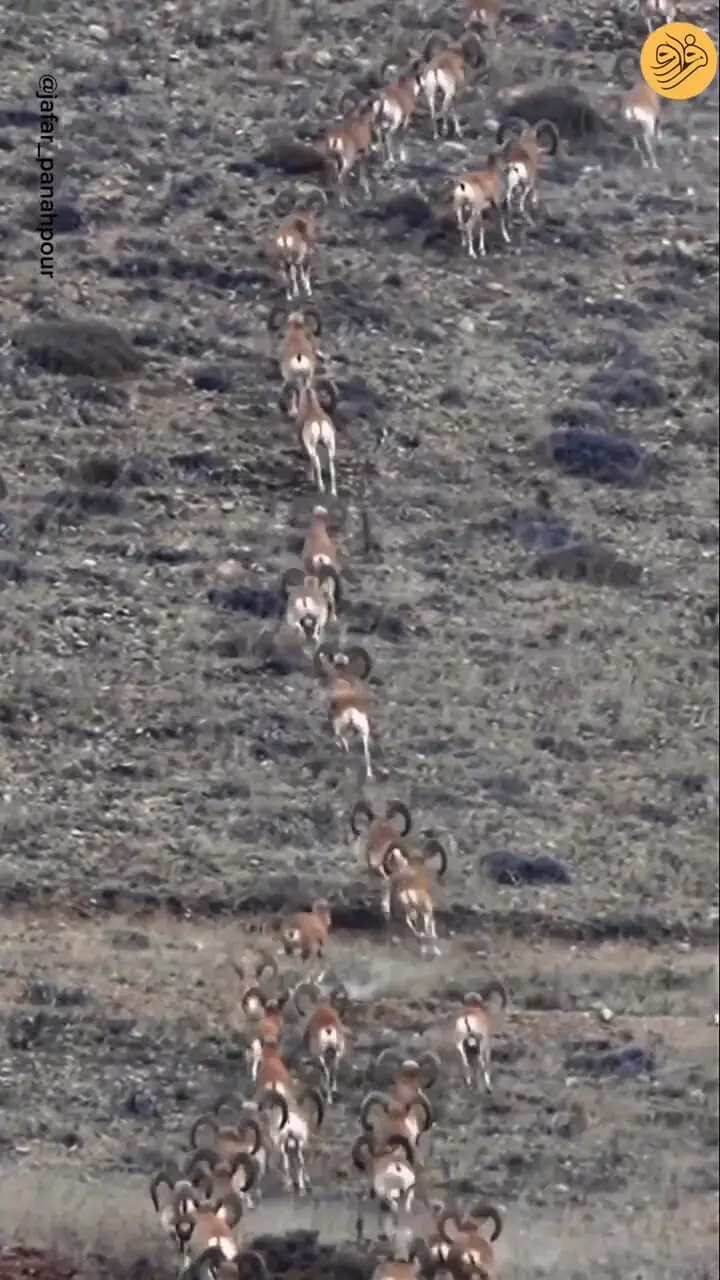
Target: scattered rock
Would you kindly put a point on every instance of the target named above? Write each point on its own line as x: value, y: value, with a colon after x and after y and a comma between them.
x: 508, y: 868
x: 292, y: 157
x: 213, y: 378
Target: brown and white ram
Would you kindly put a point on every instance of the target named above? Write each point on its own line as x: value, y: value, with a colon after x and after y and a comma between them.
x: 298, y: 353
x: 387, y: 1117
x: 312, y: 408
x: 233, y: 1154
x: 182, y: 1196
x: 324, y: 1036
x: 522, y: 146
x: 462, y: 1249
x: 394, y: 109
x: 209, y: 1226
x: 293, y: 243
x: 381, y: 835
x: 405, y: 1079
x: 348, y: 146
x: 471, y: 1033
x: 391, y: 1180
x: 444, y: 74
x: 411, y: 888
x: 293, y: 1118
x: 348, y: 698
x: 311, y: 601
x: 304, y: 935
x: 476, y: 194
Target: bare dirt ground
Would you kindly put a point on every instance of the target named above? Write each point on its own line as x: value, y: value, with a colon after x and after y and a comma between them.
x: 158, y: 800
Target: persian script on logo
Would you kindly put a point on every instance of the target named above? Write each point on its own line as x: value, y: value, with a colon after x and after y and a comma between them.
x: 679, y: 61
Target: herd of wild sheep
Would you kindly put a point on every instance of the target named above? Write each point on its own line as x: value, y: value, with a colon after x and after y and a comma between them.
x: 202, y: 1197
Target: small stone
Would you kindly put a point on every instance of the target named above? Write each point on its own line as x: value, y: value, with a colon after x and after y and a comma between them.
x: 467, y: 325
x: 98, y: 32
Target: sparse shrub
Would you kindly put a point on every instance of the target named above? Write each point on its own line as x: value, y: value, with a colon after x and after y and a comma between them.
x: 86, y: 348
x: 292, y: 157
x: 595, y: 455
x: 627, y: 389
x: 566, y: 106
x: 590, y: 562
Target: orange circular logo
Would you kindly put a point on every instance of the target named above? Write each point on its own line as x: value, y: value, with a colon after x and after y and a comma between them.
x: 679, y: 61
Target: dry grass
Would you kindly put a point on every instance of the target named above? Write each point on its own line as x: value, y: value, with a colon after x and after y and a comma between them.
x: 157, y: 799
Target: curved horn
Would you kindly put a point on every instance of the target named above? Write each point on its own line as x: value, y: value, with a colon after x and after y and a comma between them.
x: 228, y: 1103
x: 166, y: 1177
x: 372, y: 1100
x: 323, y: 662
x: 388, y: 1061
x: 430, y: 1067
x: 421, y: 1252
x: 361, y: 810
x: 284, y: 202
x: 626, y: 68
x: 339, y: 998
x: 212, y: 1124
x: 277, y: 319
x: 348, y: 101
x: 401, y: 1140
x: 474, y: 50
x: 287, y: 399
x: 244, y: 1161
x: 434, y: 849
x: 212, y: 1257
x: 550, y: 131
x: 445, y: 1220
x: 266, y: 961
x: 363, y: 1143
x: 318, y: 1102
x: 482, y: 1212
x: 327, y: 394
x: 328, y: 573
x: 305, y: 989
x: 182, y: 1192
x: 422, y: 1103
x: 231, y: 1208
x: 206, y: 1156
x: 249, y: 1122
x: 312, y: 314
x: 396, y: 809
x: 510, y: 128
x: 313, y: 199
x: 273, y: 1098
x: 253, y: 1002
x: 498, y: 989
x: 360, y: 661
x: 259, y: 1265
x: 293, y: 577
x: 435, y: 41
x: 393, y: 858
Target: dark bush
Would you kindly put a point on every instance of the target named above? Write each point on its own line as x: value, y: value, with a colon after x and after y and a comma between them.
x: 566, y: 106
x: 292, y: 157
x: 508, y: 868
x: 627, y: 389
x: 597, y: 456
x: 85, y: 348
x: 590, y: 562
